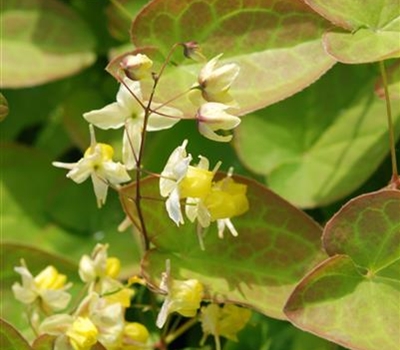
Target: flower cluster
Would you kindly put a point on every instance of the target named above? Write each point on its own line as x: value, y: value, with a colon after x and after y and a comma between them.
x: 206, y: 200
x: 138, y: 114
x: 100, y: 315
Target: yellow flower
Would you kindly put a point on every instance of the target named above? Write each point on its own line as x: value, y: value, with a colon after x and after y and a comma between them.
x: 82, y: 334
x: 183, y: 297
x: 224, y: 321
x: 135, y: 336
x: 49, y: 287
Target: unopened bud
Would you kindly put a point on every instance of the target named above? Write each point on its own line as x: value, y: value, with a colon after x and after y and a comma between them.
x: 192, y: 50
x: 136, y: 67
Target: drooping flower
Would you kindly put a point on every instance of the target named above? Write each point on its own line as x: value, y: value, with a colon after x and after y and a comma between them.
x: 192, y: 50
x: 136, y: 67
x: 215, y: 81
x: 180, y: 180
x: 48, y: 288
x: 225, y: 200
x: 225, y: 321
x: 212, y: 117
x: 129, y: 111
x: 183, y: 297
x: 97, y: 164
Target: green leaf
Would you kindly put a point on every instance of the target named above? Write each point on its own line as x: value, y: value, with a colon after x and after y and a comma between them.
x: 374, y: 27
x: 367, y: 229
x: 337, y: 303
x: 354, y: 299
x: 277, y: 45
x: 276, y: 245
x: 10, y: 338
x: 36, y: 260
x: 3, y: 107
x: 43, y: 40
x: 321, y: 144
x: 393, y: 77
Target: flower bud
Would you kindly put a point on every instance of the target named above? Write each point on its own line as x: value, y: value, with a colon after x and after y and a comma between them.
x: 192, y: 50
x: 136, y: 67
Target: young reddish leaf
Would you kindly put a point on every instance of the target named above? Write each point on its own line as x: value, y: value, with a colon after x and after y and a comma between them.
x: 321, y: 144
x: 367, y: 229
x: 338, y: 303
x: 372, y: 25
x: 277, y: 44
x: 43, y: 40
x: 10, y: 338
x: 277, y: 244
x: 393, y: 77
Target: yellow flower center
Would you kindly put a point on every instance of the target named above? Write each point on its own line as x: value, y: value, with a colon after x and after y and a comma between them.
x: 83, y: 334
x: 186, y: 297
x: 49, y: 278
x: 113, y: 267
x: 227, y: 199
x: 123, y: 297
x: 106, y: 151
x: 196, y: 183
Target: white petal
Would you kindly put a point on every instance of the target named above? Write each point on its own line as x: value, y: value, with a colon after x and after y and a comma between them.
x: 207, y: 132
x: 207, y: 70
x: 174, y: 207
x: 111, y: 116
x: 23, y: 294
x: 56, y: 299
x: 163, y: 314
x: 56, y: 324
x: 100, y: 189
x: 131, y: 144
x: 68, y: 166
x: 125, y: 98
x: 160, y: 122
x: 115, y: 173
x: 82, y: 170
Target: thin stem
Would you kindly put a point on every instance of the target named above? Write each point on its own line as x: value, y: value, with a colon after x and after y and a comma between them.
x: 121, y: 9
x: 141, y: 149
x: 174, y: 98
x: 395, y: 175
x: 182, y: 329
x: 217, y: 342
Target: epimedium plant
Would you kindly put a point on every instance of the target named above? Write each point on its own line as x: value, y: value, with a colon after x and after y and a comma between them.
x: 215, y: 244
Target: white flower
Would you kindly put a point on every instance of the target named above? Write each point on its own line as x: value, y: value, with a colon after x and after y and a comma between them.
x: 212, y: 117
x: 180, y: 180
x: 48, y: 287
x: 183, y: 297
x: 136, y: 67
x: 129, y: 112
x: 97, y: 163
x: 173, y: 173
x: 215, y: 81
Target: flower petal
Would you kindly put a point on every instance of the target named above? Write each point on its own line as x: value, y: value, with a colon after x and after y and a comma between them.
x: 111, y: 116
x: 131, y: 144
x: 174, y: 207
x: 100, y: 188
x: 207, y: 132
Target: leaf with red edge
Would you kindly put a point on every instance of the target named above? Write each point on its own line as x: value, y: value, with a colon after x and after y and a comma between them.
x: 374, y: 27
x: 353, y: 298
x: 10, y: 338
x: 277, y: 244
x: 277, y: 44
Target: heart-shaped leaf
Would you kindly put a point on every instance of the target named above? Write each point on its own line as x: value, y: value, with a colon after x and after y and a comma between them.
x: 321, y: 144
x: 276, y: 245
x: 276, y: 43
x: 374, y: 27
x: 354, y: 299
x: 43, y: 40
x: 10, y: 338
